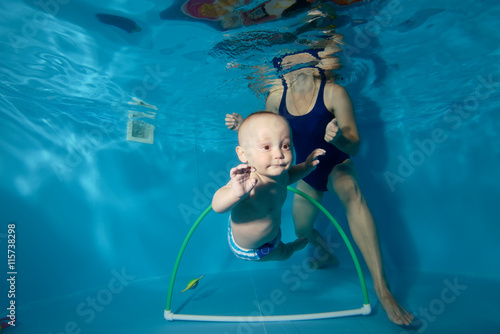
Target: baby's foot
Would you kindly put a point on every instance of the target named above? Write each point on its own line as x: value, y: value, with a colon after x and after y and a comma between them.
x: 299, y: 244
x: 395, y: 312
x: 318, y: 264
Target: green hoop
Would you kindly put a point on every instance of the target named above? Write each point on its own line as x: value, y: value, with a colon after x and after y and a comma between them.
x: 366, y: 300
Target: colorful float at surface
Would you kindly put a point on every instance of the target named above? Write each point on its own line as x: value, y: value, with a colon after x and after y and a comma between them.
x: 345, y: 2
x: 231, y: 16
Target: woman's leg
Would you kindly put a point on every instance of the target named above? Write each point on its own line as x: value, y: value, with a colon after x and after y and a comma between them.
x: 343, y: 181
x: 304, y: 216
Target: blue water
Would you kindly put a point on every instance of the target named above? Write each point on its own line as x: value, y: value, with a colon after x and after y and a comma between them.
x: 99, y: 219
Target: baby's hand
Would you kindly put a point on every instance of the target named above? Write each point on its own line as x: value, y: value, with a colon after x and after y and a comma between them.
x: 241, y: 182
x: 312, y: 160
x: 233, y: 121
x: 332, y: 131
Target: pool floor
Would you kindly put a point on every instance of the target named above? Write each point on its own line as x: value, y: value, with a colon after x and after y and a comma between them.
x: 444, y: 303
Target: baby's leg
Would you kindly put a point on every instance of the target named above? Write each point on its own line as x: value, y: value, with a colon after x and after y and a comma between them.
x: 304, y: 216
x: 283, y: 251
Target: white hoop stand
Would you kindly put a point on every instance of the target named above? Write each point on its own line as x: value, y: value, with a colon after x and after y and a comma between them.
x: 365, y: 310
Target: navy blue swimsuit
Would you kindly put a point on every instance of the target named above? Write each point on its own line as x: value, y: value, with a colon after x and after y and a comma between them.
x: 308, y: 133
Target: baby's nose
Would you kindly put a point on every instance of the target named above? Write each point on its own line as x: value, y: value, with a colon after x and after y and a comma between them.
x: 278, y: 154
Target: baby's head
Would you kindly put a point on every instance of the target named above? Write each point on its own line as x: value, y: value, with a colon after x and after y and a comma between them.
x: 265, y: 142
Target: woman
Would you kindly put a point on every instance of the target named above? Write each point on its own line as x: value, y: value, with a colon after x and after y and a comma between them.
x: 321, y: 114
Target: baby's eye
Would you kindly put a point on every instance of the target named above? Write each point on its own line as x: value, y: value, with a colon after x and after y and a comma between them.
x: 266, y: 147
x: 286, y: 146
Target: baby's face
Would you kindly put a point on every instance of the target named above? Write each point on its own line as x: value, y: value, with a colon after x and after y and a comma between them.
x: 268, y: 145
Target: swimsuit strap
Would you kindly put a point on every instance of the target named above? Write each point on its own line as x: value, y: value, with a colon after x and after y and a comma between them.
x: 283, y: 111
x: 320, y: 94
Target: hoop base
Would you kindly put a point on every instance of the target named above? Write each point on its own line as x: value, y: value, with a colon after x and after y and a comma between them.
x: 365, y: 310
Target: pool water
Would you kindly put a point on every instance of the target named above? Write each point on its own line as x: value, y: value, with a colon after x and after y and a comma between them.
x: 99, y: 220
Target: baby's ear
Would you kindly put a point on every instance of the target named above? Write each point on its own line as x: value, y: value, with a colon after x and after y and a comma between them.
x: 241, y: 154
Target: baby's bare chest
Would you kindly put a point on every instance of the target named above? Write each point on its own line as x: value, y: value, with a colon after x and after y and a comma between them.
x: 269, y: 196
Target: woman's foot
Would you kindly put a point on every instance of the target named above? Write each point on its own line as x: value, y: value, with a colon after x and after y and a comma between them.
x: 395, y: 312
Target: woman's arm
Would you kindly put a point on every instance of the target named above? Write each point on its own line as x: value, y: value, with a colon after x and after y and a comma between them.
x: 342, y: 131
x: 274, y: 99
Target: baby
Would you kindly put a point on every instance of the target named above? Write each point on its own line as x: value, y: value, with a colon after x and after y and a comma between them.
x: 258, y: 188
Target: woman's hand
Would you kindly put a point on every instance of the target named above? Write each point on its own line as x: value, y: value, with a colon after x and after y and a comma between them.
x: 332, y: 131
x: 233, y: 121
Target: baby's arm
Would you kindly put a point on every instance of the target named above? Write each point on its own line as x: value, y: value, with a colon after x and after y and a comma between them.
x: 301, y: 170
x: 237, y: 189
